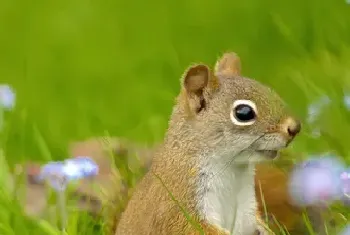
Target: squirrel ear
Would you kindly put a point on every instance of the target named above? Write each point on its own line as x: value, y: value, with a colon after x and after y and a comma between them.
x: 229, y: 64
x: 196, y: 78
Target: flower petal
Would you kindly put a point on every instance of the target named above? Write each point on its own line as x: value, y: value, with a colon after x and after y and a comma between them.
x: 52, y: 168
x: 86, y: 165
x: 73, y: 170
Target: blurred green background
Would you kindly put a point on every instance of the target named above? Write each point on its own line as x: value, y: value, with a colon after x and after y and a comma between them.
x: 83, y: 67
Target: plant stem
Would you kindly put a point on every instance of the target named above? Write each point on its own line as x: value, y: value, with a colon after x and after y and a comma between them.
x: 61, y: 201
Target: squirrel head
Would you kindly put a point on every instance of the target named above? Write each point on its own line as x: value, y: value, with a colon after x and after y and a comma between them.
x: 226, y: 113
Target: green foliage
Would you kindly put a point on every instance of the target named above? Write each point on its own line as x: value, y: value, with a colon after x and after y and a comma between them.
x: 81, y: 68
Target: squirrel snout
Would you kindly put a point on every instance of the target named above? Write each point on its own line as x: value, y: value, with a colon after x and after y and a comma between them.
x: 291, y: 127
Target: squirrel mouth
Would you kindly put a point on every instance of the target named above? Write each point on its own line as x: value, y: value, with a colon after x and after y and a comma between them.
x: 272, y: 154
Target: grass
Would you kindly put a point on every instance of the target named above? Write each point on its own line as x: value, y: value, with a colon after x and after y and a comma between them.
x: 81, y: 68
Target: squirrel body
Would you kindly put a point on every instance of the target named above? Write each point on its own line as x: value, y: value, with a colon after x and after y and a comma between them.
x: 202, y: 177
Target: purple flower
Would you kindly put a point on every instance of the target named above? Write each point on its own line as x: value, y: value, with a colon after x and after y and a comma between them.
x: 7, y: 97
x: 59, y: 174
x: 316, y: 181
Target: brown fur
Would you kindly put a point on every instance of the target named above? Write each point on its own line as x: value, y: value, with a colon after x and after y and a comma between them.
x: 169, y: 217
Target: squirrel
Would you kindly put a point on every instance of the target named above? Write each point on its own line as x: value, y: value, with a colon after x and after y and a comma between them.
x: 201, y: 179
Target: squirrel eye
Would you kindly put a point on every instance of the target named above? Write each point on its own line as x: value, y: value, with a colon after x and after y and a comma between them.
x: 243, y: 112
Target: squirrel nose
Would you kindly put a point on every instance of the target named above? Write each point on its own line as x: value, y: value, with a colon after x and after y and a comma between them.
x: 292, y: 127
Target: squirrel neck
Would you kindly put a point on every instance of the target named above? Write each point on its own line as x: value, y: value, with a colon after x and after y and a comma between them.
x: 225, y: 194
x: 216, y: 190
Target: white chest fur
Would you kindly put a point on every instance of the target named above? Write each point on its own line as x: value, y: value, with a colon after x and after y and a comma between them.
x: 227, y: 199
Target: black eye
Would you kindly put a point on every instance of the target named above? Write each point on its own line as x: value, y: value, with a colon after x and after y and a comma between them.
x: 244, y: 113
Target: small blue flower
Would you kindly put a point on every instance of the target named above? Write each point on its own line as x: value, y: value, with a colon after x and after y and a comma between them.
x: 59, y: 174
x: 7, y: 97
x: 317, y: 181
